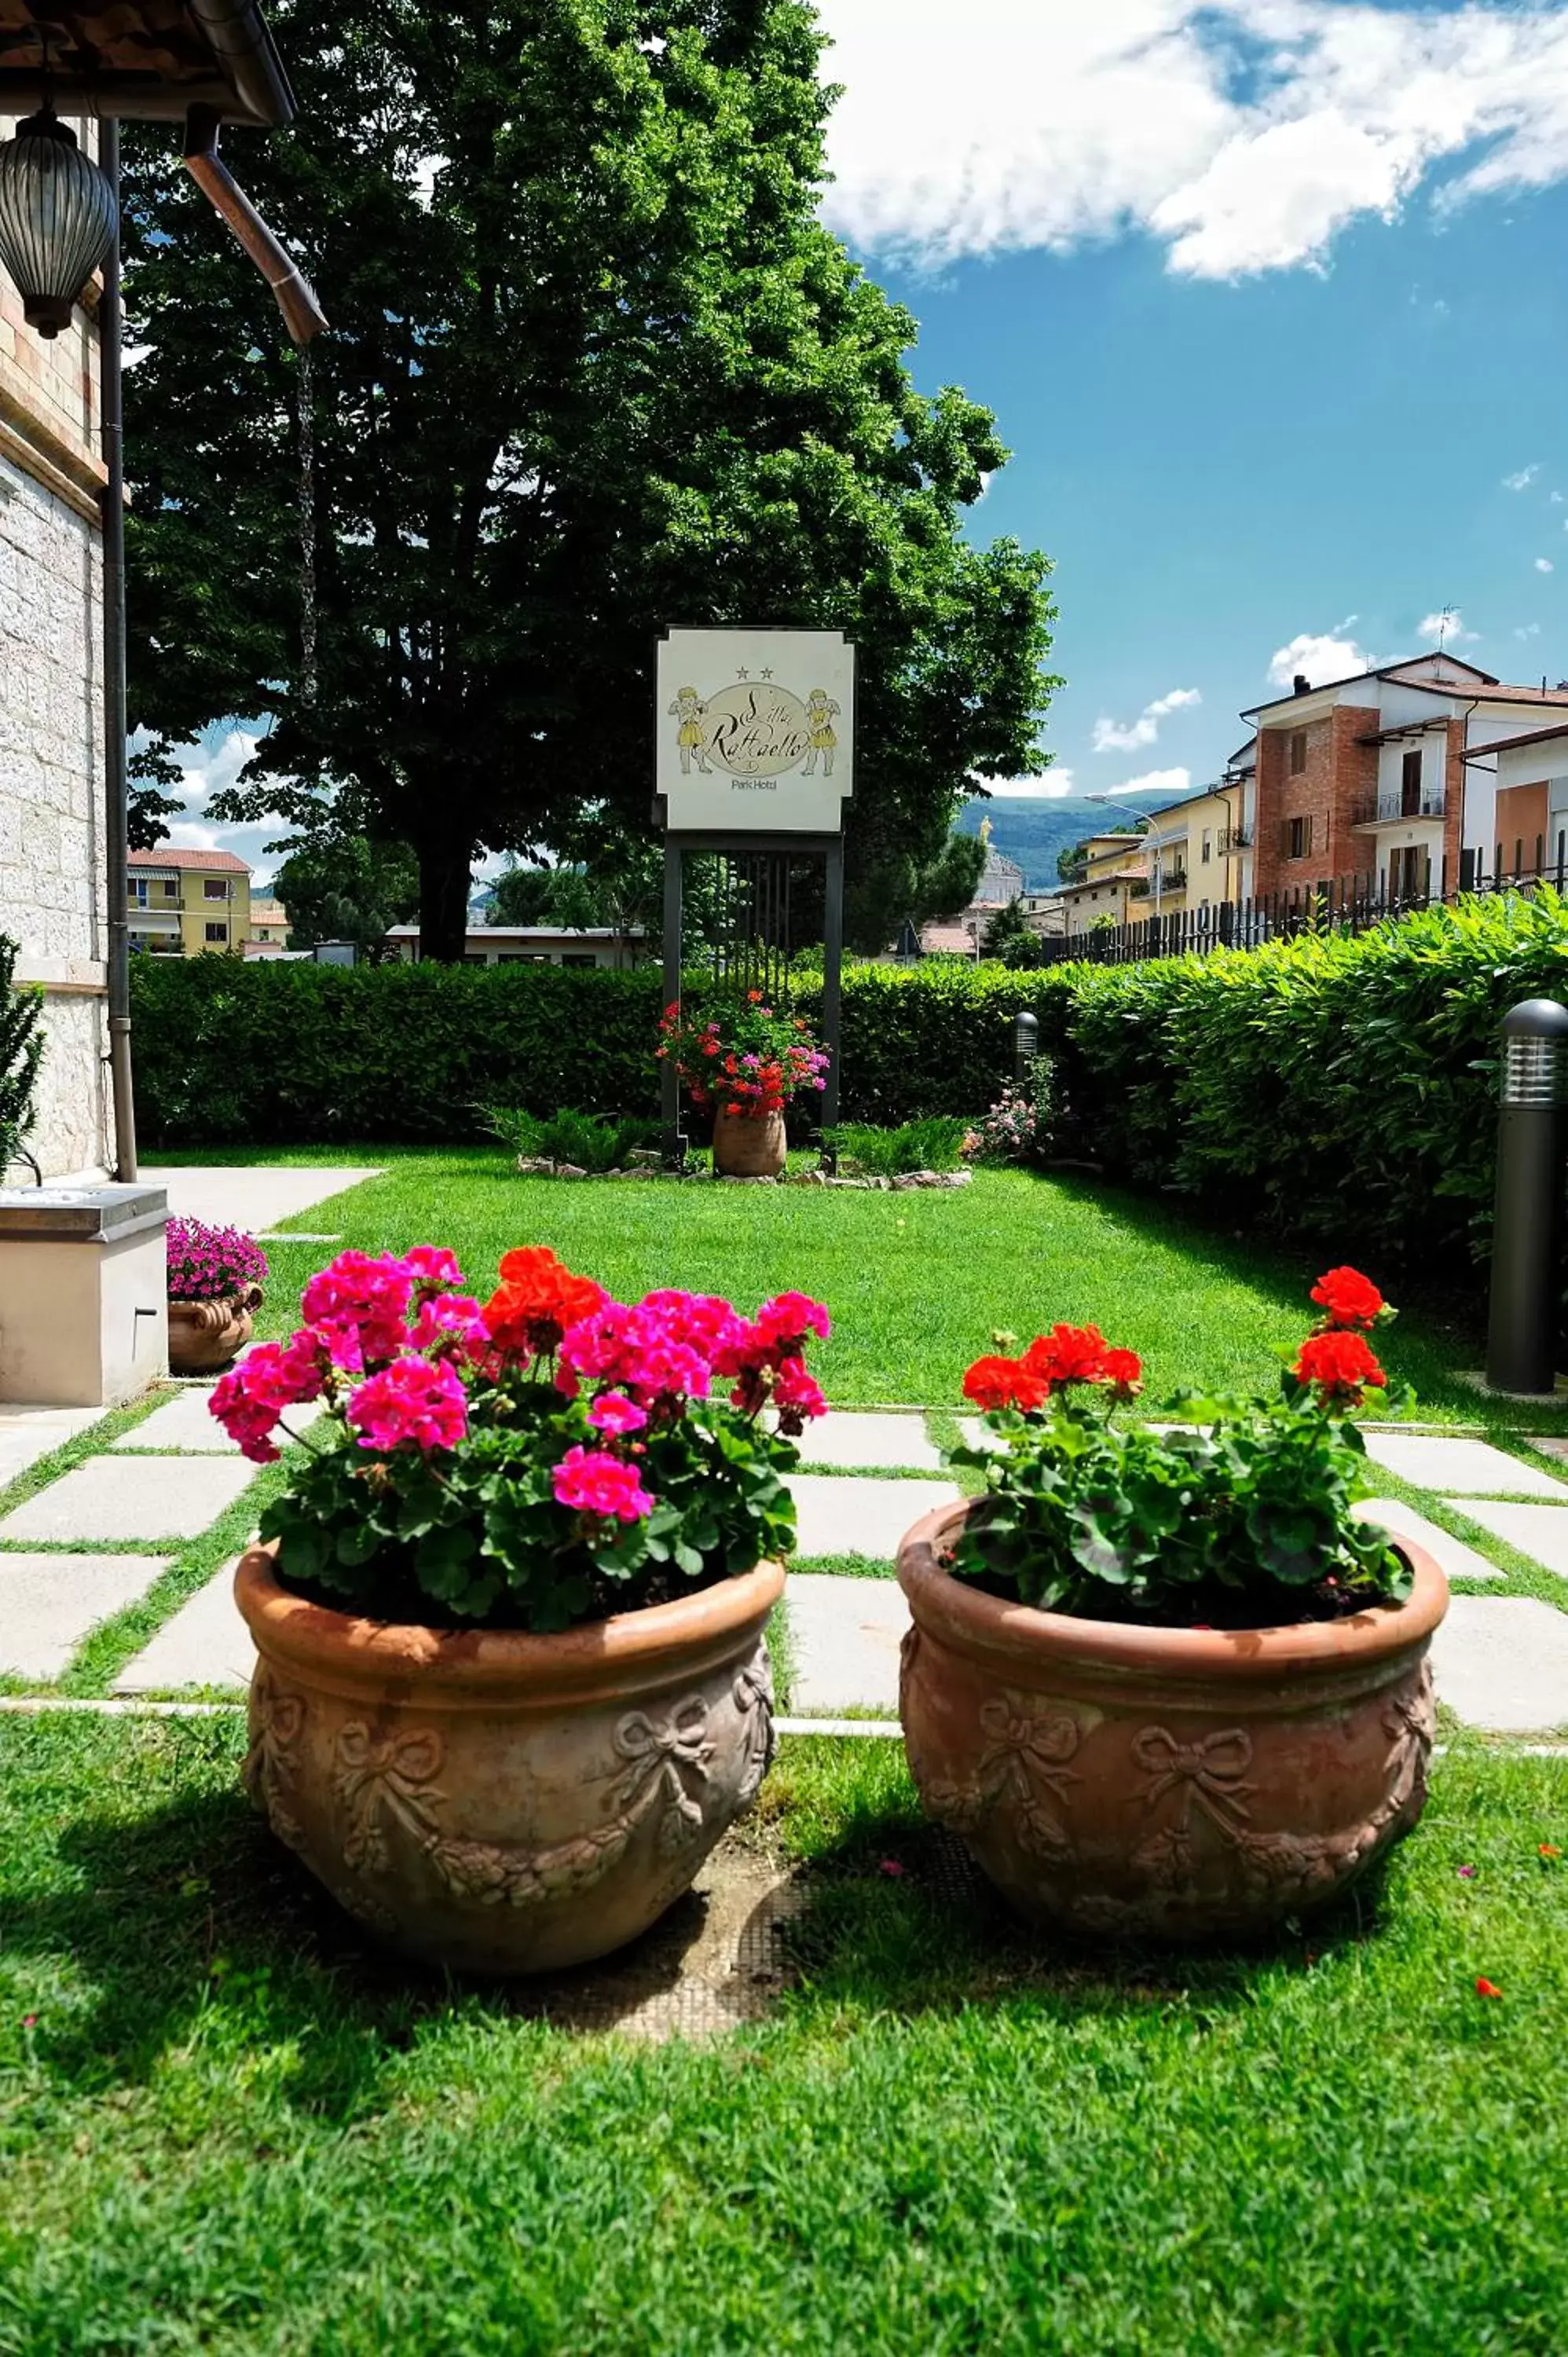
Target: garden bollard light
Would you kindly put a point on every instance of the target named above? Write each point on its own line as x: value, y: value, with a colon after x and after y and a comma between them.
x: 1025, y: 1043
x: 1526, y: 1226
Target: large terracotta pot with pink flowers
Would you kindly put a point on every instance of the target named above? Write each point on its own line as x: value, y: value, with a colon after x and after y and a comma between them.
x: 509, y: 1613
x: 493, y: 1802
x: 1170, y: 1684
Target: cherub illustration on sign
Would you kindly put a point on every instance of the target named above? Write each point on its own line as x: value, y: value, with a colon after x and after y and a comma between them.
x: 689, y: 709
x: 819, y: 738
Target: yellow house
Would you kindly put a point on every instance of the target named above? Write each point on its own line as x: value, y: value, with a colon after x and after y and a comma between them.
x: 185, y: 902
x: 1195, y: 850
x: 1114, y: 880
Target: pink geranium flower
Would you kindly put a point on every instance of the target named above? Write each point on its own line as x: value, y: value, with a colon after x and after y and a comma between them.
x: 592, y: 1481
x: 797, y: 1396
x: 615, y: 1414
x: 414, y: 1400
x: 360, y: 1303
x: 433, y: 1266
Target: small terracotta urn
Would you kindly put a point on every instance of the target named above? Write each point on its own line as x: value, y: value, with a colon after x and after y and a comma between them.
x: 204, y: 1336
x: 1160, y: 1782
x: 749, y: 1147
x: 492, y: 1801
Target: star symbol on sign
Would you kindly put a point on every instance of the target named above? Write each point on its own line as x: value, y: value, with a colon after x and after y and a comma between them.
x: 767, y: 674
x: 743, y: 672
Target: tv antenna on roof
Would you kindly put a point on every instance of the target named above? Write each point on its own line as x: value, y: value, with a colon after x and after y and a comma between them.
x: 1444, y: 622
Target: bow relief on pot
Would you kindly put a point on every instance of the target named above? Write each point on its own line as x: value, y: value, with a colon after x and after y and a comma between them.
x: 752, y: 1695
x: 1022, y: 1766
x: 277, y: 1724
x: 1207, y: 1780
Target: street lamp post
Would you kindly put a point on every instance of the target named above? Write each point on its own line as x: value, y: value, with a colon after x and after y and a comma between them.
x: 1527, y: 1227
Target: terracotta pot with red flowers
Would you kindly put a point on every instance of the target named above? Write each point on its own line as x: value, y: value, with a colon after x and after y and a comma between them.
x: 514, y: 1680
x: 1171, y: 1684
x: 744, y: 1065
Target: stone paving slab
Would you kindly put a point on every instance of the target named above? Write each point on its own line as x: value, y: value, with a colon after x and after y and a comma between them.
x: 1501, y: 1662
x: 186, y: 1423
x: 29, y: 1433
x: 866, y: 1516
x: 253, y: 1200
x: 1539, y: 1531
x: 48, y: 1603
x: 845, y: 1635
x: 1459, y: 1561
x: 114, y: 1497
x: 207, y: 1643
x: 1471, y: 1467
x: 845, y: 1436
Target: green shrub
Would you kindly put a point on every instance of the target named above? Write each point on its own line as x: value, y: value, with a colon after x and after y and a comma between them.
x: 302, y: 1054
x: 586, y: 1139
x: 21, y: 1053
x: 934, y: 1144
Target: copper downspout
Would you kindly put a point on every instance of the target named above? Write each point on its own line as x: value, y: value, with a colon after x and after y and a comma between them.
x: 303, y: 315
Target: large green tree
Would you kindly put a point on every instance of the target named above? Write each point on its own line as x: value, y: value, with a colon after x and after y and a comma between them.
x: 347, y: 889
x: 593, y: 368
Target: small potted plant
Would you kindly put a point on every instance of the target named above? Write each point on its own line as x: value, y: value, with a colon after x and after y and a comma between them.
x: 512, y: 1681
x: 744, y: 1065
x: 215, y: 1278
x: 1169, y: 1682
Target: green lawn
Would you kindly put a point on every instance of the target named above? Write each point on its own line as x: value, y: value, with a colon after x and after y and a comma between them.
x: 916, y: 1282
x: 226, y: 2127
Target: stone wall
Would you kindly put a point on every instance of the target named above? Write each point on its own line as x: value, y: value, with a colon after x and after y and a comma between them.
x: 52, y: 894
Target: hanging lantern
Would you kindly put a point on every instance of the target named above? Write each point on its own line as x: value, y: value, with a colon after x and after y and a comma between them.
x: 57, y: 218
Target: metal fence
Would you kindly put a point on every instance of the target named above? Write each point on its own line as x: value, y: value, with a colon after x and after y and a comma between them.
x: 1339, y: 905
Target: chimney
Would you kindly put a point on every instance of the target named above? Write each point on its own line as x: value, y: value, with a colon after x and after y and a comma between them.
x: 1301, y: 684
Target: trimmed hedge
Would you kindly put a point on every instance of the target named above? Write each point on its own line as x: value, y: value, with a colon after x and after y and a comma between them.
x: 1324, y: 1088
x: 303, y: 1054
x: 1335, y: 1089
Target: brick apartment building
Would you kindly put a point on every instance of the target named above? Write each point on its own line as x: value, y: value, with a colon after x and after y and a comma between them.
x: 1387, y: 778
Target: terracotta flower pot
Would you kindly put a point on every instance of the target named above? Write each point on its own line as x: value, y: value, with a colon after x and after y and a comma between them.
x: 205, y: 1335
x: 1178, y: 1783
x: 498, y: 1802
x: 748, y: 1148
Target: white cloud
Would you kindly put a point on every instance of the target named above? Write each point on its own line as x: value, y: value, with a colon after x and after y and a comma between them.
x: 1524, y: 480
x: 1110, y: 736
x: 1555, y: 500
x: 1319, y: 656
x: 1244, y: 133
x: 1545, y: 564
x: 1529, y: 630
x: 1448, y: 625
x: 1168, y: 782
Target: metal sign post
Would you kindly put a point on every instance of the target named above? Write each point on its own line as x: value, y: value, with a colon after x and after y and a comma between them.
x: 755, y: 760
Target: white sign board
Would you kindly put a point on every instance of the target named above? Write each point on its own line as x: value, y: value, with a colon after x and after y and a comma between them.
x: 756, y: 730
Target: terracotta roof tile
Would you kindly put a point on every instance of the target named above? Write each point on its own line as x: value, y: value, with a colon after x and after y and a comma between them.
x: 212, y: 862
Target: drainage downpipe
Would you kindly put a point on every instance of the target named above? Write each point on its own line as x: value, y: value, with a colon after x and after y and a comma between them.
x: 116, y: 792
x: 296, y: 300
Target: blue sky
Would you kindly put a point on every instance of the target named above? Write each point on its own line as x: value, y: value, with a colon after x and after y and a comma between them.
x: 1271, y: 301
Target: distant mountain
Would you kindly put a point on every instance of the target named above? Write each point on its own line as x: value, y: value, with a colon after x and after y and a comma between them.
x: 1033, y: 828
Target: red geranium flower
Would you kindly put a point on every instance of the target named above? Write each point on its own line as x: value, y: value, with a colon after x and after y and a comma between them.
x: 537, y: 1299
x: 1069, y: 1354
x: 1005, y: 1382
x: 1342, y: 1365
x: 1123, y: 1369
x: 1349, y: 1299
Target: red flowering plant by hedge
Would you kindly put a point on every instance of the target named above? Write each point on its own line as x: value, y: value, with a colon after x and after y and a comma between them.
x: 1242, y: 1516
x: 539, y: 1459
x: 207, y: 1263
x: 748, y: 1059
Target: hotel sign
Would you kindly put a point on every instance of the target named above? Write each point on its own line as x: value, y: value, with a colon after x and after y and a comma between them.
x: 754, y: 730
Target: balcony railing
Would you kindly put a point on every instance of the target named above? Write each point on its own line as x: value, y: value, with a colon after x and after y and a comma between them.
x: 1236, y: 838
x: 1387, y: 810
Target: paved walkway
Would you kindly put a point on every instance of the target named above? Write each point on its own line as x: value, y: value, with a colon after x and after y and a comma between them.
x: 254, y: 1198
x: 102, y: 1538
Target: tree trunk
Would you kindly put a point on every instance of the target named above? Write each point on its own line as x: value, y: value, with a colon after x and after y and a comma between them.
x: 443, y: 882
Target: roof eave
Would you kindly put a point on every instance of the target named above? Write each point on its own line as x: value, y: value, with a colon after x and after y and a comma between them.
x: 250, y: 87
